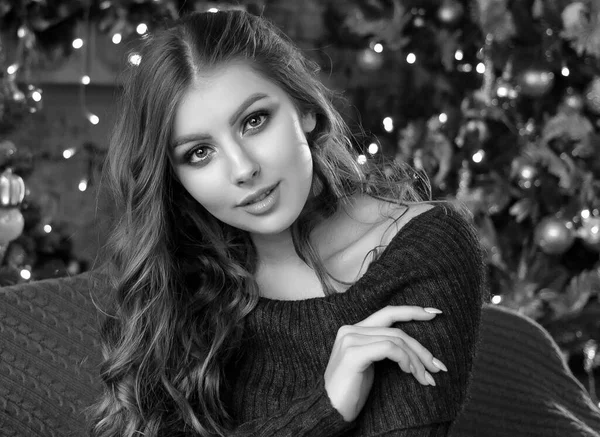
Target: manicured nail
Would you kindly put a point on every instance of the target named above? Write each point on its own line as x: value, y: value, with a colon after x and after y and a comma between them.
x: 433, y: 310
x: 429, y: 378
x: 437, y: 363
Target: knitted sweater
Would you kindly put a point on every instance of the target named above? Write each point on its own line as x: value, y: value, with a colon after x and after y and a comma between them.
x: 278, y: 386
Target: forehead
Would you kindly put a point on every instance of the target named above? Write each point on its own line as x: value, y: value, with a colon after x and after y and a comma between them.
x: 215, y: 95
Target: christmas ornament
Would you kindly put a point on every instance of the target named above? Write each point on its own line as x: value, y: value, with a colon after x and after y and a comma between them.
x: 368, y: 59
x: 11, y: 224
x: 12, y: 189
x: 592, y: 96
x: 450, y: 12
x: 553, y: 236
x: 589, y: 232
x: 534, y: 81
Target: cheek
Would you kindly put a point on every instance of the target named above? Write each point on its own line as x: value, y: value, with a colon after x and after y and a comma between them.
x: 207, y: 191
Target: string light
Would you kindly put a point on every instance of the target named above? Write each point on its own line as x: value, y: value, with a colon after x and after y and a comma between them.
x: 213, y: 10
x: 47, y: 229
x: 77, y: 43
x: 142, y: 28
x: 134, y: 58
x: 585, y: 213
x: 388, y: 124
x: 565, y: 71
x: 68, y: 153
x: 443, y: 117
x: 25, y: 274
x: 12, y: 69
x: 458, y: 55
x: 411, y: 58
x: 36, y: 96
x: 93, y: 118
x: 496, y: 299
x: 378, y: 48
x: 373, y: 148
x: 480, y: 68
x: 85, y: 79
x: 361, y: 159
x: 478, y: 156
x: 116, y: 38
x: 21, y: 32
x: 83, y: 184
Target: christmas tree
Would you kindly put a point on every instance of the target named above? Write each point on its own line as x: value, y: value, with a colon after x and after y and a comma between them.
x: 496, y: 101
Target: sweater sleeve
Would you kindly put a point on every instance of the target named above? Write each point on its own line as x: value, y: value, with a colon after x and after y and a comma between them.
x: 311, y: 415
x: 437, y: 263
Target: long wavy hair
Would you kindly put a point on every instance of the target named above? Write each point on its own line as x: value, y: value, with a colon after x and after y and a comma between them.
x: 183, y: 281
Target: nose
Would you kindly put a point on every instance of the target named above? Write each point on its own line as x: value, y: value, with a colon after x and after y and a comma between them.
x: 244, y: 167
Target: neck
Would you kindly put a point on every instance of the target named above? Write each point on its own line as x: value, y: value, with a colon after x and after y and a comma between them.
x: 275, y: 249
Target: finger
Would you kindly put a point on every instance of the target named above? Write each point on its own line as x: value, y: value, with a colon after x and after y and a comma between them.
x: 392, y: 314
x: 417, y: 368
x: 361, y: 357
x: 425, y: 356
x: 354, y: 340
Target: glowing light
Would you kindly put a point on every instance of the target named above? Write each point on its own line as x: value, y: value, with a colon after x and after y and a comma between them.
x: 388, y: 124
x: 585, y: 213
x: 134, y: 58
x: 47, y: 229
x: 36, y: 96
x: 411, y: 58
x: 373, y: 148
x: 21, y: 32
x: 83, y: 185
x: 141, y: 28
x: 116, y: 38
x: 68, y: 153
x: 12, y: 69
x: 459, y: 55
x: 213, y: 10
x: 85, y: 80
x: 362, y: 159
x: 25, y: 274
x: 478, y: 156
x: 378, y: 48
x: 466, y: 68
x: 77, y: 43
x: 565, y: 71
x: 496, y: 299
x: 443, y: 117
x: 480, y: 68
x: 94, y: 119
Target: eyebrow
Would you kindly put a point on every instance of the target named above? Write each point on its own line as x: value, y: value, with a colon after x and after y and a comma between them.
x: 200, y: 137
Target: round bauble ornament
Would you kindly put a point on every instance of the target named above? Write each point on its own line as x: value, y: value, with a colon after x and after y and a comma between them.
x: 450, y: 12
x: 592, y: 96
x: 12, y: 189
x: 11, y: 224
x: 534, y: 81
x: 368, y: 59
x: 589, y: 232
x: 553, y: 236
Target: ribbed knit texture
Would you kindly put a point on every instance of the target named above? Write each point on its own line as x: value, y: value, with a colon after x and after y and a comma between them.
x: 49, y: 354
x: 433, y: 261
x: 522, y: 386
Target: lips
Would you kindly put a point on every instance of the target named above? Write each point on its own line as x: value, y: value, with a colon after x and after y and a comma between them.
x: 257, y: 195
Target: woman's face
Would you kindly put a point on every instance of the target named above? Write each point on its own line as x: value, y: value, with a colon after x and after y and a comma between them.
x: 236, y: 138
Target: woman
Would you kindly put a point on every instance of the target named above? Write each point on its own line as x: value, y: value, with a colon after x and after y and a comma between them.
x: 265, y: 283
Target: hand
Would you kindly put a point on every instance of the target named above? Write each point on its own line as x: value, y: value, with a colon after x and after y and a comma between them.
x: 350, y: 371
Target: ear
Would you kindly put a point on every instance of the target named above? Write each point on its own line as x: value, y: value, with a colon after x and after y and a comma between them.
x: 309, y: 121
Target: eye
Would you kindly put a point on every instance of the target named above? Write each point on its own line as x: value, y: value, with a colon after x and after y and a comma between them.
x: 198, y: 154
x: 256, y: 121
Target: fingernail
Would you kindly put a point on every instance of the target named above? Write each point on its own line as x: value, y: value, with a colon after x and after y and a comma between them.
x: 433, y: 310
x: 429, y: 378
x: 437, y: 363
